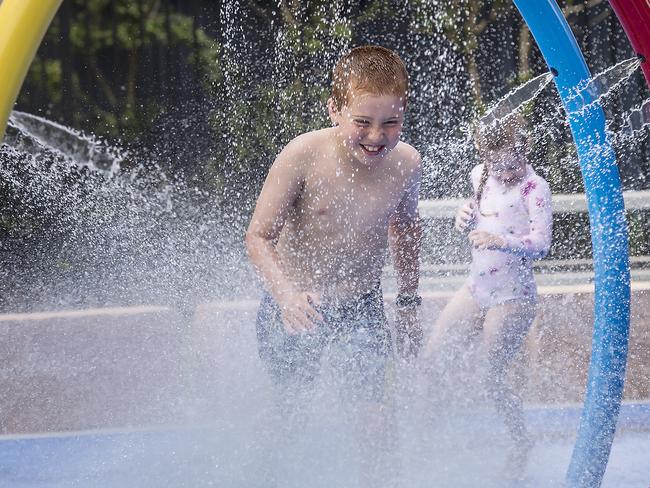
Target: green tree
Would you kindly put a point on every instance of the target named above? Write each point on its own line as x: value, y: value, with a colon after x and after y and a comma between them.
x: 103, y: 63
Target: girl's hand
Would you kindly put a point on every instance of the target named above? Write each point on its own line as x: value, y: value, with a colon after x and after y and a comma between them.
x: 465, y: 216
x: 299, y: 312
x: 485, y: 240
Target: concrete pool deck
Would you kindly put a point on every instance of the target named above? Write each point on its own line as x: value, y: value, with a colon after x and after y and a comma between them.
x: 147, y: 365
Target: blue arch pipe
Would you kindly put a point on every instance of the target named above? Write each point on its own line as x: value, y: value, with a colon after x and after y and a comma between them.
x: 609, y: 239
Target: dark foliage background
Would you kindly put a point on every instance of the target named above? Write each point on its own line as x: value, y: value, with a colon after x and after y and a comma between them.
x: 214, y: 89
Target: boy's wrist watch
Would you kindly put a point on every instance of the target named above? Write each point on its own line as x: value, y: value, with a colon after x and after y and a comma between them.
x: 404, y: 300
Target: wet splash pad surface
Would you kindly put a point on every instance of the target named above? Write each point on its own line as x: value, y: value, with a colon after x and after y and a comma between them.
x: 219, y: 455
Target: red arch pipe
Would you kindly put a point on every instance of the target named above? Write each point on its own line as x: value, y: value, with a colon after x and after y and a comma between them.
x: 635, y: 18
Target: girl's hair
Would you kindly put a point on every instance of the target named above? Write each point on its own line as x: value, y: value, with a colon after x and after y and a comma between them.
x: 506, y: 133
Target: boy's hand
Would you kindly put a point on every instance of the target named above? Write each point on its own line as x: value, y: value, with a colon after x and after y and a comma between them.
x: 408, y: 332
x: 299, y: 313
x: 485, y: 240
x: 465, y: 216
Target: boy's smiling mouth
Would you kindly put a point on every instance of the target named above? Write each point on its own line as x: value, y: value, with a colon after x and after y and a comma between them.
x: 371, y: 150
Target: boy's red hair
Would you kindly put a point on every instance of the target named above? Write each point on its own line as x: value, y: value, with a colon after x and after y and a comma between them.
x: 369, y: 69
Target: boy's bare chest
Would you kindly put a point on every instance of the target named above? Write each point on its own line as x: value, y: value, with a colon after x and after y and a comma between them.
x: 338, y: 203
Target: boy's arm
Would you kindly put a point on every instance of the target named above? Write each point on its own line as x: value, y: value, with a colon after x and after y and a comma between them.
x: 281, y: 188
x: 405, y: 238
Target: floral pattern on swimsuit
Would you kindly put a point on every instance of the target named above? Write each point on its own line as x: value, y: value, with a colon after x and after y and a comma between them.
x: 522, y: 215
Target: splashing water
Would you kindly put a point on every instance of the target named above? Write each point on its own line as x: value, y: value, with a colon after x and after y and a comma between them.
x: 100, y: 235
x: 516, y: 99
x: 461, y: 148
x: 602, y: 85
x: 82, y: 149
x: 103, y: 235
x: 638, y: 119
x: 461, y: 445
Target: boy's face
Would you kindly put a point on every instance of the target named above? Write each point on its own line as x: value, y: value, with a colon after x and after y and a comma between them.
x: 369, y: 126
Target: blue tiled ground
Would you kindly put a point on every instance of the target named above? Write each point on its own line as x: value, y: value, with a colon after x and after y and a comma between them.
x: 214, y: 456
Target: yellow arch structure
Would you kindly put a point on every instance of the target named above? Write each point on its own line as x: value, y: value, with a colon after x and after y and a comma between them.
x: 22, y: 26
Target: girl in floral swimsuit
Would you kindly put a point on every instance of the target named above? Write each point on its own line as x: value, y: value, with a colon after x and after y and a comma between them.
x: 509, y: 221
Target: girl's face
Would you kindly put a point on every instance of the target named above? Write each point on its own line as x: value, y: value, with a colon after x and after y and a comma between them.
x: 506, y: 166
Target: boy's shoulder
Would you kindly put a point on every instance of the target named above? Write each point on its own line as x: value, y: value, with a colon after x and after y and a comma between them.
x: 405, y: 153
x: 477, y: 171
x: 475, y: 176
x: 308, y: 140
x: 306, y: 145
x: 303, y: 148
x: 408, y: 151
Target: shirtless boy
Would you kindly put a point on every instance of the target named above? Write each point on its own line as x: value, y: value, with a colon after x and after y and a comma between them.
x: 333, y: 200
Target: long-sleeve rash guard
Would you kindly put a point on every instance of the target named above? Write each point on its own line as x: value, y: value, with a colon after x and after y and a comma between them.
x: 522, y: 215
